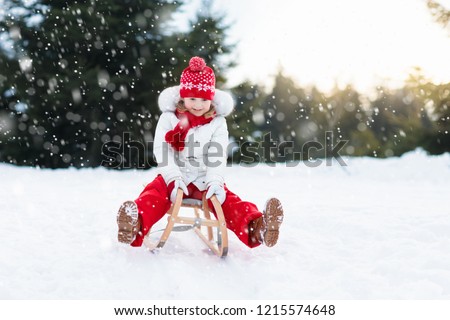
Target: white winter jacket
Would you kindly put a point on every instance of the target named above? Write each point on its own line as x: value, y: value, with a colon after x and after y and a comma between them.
x: 204, y: 157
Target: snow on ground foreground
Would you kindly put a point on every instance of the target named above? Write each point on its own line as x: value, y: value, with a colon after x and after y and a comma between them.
x: 376, y: 229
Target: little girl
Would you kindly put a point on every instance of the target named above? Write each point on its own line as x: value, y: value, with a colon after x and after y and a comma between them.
x: 190, y: 148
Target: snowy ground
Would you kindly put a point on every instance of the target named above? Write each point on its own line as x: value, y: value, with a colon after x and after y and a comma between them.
x: 378, y: 229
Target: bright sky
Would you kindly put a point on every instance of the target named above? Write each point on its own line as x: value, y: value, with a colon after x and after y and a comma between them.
x: 323, y: 42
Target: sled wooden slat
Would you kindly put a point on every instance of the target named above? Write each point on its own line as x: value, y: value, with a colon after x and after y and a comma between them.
x: 219, y: 245
x: 208, y: 216
x: 191, y: 221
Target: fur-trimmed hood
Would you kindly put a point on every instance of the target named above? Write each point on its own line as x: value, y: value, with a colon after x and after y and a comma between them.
x: 168, y: 99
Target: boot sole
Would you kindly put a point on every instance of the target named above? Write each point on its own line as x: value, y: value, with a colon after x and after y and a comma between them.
x: 273, y: 216
x: 127, y: 219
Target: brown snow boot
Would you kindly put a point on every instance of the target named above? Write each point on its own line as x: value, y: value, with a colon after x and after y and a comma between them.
x: 273, y: 217
x: 266, y: 229
x: 128, y: 222
x: 256, y: 230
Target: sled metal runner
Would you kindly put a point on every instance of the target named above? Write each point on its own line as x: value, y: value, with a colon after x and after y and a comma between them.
x: 202, y: 218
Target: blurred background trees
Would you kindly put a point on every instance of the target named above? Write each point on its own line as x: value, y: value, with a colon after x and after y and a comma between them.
x: 440, y: 13
x: 76, y: 76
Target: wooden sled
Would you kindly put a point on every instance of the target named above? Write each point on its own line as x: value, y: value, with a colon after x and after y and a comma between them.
x: 218, y: 242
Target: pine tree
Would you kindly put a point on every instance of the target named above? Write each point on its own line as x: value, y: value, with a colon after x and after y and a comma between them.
x: 438, y: 95
x: 440, y: 13
x: 399, y: 122
x: 293, y: 115
x: 206, y: 39
x: 439, y: 141
x: 88, y: 73
x: 435, y: 102
x: 244, y: 121
x: 348, y: 120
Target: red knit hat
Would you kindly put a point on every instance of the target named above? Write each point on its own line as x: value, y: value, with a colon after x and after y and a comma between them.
x: 197, y: 80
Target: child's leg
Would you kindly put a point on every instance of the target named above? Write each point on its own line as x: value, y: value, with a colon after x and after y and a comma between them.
x: 238, y: 215
x: 153, y: 203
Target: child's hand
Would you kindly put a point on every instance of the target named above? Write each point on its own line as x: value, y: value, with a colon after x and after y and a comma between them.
x: 216, y: 189
x: 178, y: 184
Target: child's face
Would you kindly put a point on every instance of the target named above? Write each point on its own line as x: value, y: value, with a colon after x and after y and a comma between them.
x: 197, y: 106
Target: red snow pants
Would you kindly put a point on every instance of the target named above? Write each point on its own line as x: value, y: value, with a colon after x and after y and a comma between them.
x: 154, y: 202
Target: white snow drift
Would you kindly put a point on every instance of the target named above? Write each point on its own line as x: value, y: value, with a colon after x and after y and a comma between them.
x: 376, y: 229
